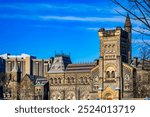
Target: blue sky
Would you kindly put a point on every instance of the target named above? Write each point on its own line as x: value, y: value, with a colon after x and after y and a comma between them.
x: 42, y: 27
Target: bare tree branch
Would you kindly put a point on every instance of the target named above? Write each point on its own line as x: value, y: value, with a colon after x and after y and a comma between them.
x: 146, y: 3
x: 143, y: 6
x: 144, y: 28
x: 116, y: 2
x: 145, y: 42
x: 141, y: 32
x: 140, y: 12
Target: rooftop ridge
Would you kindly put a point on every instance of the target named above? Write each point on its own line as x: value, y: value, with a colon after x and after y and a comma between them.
x: 62, y: 54
x: 82, y: 63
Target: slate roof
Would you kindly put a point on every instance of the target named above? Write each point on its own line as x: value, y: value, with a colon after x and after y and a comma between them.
x: 59, y: 64
x: 80, y: 67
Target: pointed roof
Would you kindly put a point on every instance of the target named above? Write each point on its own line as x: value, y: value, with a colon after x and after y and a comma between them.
x: 59, y: 64
x: 128, y: 21
x: 28, y: 77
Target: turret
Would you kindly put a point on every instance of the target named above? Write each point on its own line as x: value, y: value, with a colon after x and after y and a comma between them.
x: 128, y: 26
x: 16, y: 77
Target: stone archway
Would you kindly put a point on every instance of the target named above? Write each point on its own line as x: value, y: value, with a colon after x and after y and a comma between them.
x: 108, y: 96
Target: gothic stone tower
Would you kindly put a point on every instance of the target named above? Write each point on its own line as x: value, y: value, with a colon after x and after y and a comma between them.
x: 14, y: 82
x: 128, y: 28
x: 115, y: 48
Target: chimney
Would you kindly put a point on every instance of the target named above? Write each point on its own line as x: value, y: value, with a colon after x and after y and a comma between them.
x: 135, y: 60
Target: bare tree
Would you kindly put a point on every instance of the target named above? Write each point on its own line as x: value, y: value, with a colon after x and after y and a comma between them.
x: 139, y: 11
x: 144, y: 52
x: 143, y: 74
x: 4, y: 85
x: 143, y: 85
x: 1, y: 85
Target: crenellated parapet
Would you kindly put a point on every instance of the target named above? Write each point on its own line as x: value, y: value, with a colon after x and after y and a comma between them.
x: 106, y: 33
x: 113, y: 32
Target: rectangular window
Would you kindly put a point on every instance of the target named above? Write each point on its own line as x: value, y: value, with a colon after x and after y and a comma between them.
x: 127, y: 87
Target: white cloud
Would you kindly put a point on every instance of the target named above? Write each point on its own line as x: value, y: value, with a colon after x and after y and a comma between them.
x: 94, y: 29
x: 44, y: 6
x: 76, y: 18
x: 73, y: 9
x: 66, y: 18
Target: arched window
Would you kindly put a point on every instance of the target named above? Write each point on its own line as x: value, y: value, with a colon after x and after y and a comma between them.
x: 55, y: 80
x: 113, y: 74
x: 107, y: 74
x: 68, y: 80
x: 59, y: 80
x: 73, y: 80
x: 85, y: 79
x: 51, y: 81
x: 82, y: 80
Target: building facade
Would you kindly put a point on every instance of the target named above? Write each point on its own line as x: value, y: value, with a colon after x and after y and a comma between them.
x: 111, y: 77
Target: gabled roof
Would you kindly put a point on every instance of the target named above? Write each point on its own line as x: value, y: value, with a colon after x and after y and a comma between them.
x: 30, y: 77
x: 128, y: 65
x: 59, y: 64
x: 41, y: 81
x: 36, y: 80
x: 87, y: 67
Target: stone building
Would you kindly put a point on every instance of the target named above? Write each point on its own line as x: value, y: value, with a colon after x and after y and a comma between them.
x: 111, y: 77
x: 70, y: 81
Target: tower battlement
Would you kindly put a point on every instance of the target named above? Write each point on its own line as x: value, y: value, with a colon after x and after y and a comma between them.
x: 114, y: 32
